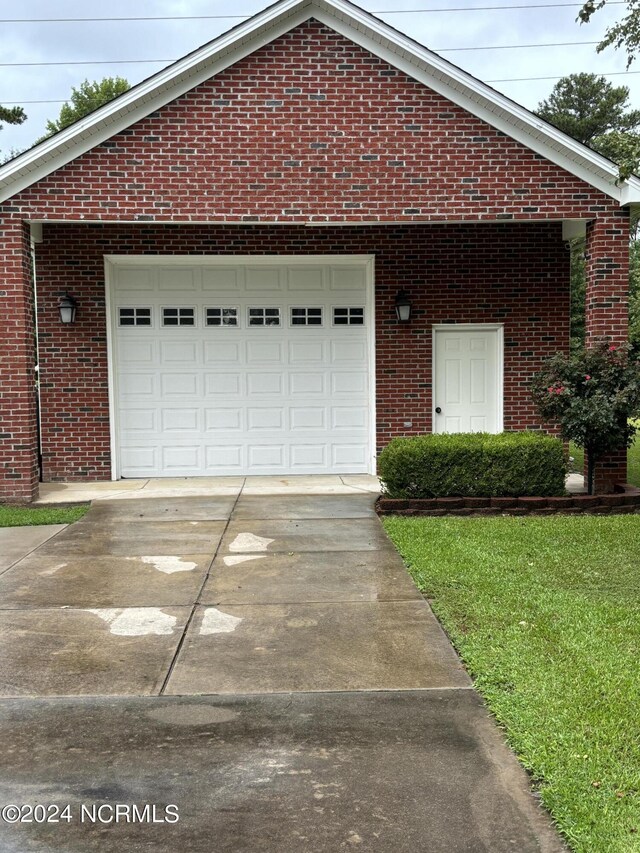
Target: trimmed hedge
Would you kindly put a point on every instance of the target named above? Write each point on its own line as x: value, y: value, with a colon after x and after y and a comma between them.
x: 483, y: 465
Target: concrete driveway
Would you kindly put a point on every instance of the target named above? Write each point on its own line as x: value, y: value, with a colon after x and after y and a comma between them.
x: 263, y: 662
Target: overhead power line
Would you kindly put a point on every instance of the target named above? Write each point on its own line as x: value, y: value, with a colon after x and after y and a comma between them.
x: 558, y: 77
x: 153, y: 61
x: 245, y: 17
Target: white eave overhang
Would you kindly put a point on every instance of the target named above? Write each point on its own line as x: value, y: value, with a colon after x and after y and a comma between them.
x: 360, y: 27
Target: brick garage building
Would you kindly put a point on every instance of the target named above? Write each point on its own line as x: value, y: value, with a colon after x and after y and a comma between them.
x: 236, y: 231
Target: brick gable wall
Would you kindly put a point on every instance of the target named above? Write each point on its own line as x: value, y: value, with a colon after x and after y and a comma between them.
x: 309, y: 127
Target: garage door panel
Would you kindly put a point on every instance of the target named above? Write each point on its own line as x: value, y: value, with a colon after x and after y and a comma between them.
x: 264, y: 352
x: 175, y: 458
x: 136, y: 279
x: 264, y: 279
x: 137, y: 352
x: 224, y: 419
x: 221, y: 458
x: 303, y: 352
x: 349, y: 417
x: 307, y: 417
x: 240, y: 399
x: 346, y: 454
x: 141, y: 459
x: 348, y: 352
x: 227, y: 384
x: 309, y: 455
x: 348, y: 279
x: 307, y: 384
x: 348, y: 383
x: 265, y: 419
x: 266, y: 456
x: 180, y: 420
x: 139, y: 420
x: 183, y: 384
x: 221, y: 351
x: 262, y: 384
x: 136, y: 385
x: 306, y: 279
x: 177, y: 279
x: 179, y: 352
x: 226, y: 281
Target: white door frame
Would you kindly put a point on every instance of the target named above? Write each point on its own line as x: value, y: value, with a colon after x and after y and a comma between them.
x: 472, y: 327
x: 113, y: 261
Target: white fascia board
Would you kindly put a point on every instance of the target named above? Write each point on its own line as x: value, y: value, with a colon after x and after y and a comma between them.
x: 302, y: 223
x: 151, y: 95
x: 477, y: 98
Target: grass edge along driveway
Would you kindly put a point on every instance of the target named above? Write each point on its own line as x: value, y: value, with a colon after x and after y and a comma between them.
x: 20, y: 516
x: 545, y: 614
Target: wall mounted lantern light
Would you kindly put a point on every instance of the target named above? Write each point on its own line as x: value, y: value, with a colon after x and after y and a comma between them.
x: 67, y: 307
x: 403, y: 306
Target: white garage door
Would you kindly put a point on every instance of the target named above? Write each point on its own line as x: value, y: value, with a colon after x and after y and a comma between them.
x: 241, y: 366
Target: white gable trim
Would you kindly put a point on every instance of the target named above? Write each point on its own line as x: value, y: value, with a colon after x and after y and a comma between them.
x: 360, y: 27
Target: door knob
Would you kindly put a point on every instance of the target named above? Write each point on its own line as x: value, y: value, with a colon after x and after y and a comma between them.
x: 438, y: 410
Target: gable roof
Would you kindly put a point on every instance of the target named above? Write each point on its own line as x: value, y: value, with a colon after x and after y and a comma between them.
x: 355, y: 24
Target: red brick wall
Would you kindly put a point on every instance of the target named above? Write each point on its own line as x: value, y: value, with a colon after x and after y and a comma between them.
x: 18, y: 461
x: 607, y: 261
x: 516, y: 274
x: 309, y: 127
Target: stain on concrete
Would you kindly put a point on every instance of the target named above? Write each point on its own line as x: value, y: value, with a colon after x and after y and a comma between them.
x: 169, y: 565
x: 235, y: 559
x: 192, y: 715
x: 214, y: 621
x: 135, y: 621
x: 250, y: 542
x: 53, y: 569
x: 301, y: 623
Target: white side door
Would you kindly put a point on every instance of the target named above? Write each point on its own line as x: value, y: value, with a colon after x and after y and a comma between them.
x: 467, y: 378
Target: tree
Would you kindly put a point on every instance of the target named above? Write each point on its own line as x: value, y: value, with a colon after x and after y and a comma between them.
x: 625, y: 33
x: 592, y: 395
x: 11, y: 115
x: 589, y: 108
x: 597, y: 113
x: 85, y: 99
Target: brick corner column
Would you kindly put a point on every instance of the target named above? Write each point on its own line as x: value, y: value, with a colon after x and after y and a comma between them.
x: 18, y: 413
x: 607, y: 309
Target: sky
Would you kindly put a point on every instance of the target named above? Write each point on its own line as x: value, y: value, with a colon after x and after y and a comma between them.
x: 111, y: 42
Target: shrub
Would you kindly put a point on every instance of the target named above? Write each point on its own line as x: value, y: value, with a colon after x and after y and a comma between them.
x: 592, y: 395
x: 511, y: 464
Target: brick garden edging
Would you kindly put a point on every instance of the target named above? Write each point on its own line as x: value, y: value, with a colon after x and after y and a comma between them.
x: 628, y: 501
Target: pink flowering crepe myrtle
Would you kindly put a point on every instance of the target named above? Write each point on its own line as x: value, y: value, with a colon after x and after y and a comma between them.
x: 592, y: 397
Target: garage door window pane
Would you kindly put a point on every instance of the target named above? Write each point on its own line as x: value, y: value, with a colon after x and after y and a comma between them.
x: 134, y: 316
x: 178, y: 317
x: 222, y: 316
x: 264, y: 316
x: 348, y: 316
x: 306, y: 316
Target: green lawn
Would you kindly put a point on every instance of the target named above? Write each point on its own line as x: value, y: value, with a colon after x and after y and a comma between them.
x: 633, y: 463
x: 18, y: 516
x: 545, y: 613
